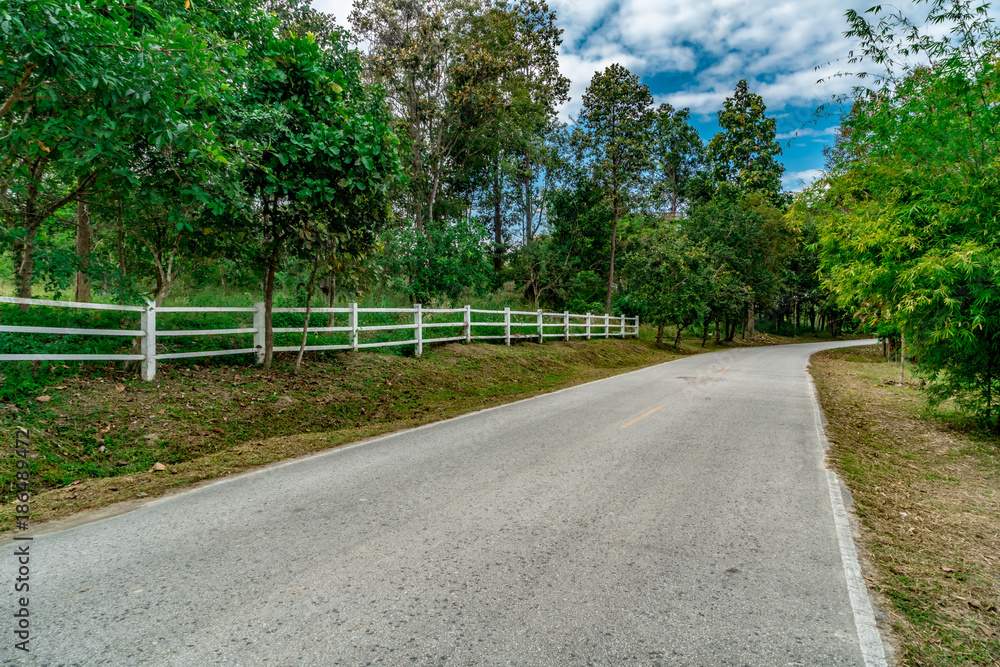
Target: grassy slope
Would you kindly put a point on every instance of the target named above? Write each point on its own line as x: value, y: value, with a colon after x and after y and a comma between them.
x: 927, y: 493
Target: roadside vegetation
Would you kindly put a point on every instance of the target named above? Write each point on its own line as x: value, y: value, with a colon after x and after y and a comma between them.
x: 240, y: 151
x: 926, y: 491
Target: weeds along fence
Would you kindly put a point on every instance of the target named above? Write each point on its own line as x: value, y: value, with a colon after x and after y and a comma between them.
x: 147, y: 334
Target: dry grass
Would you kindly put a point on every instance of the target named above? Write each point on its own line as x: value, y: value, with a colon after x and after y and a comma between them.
x: 927, y: 493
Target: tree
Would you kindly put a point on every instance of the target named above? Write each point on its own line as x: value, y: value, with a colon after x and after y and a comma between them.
x: 668, y: 277
x: 504, y: 144
x: 678, y: 155
x: 323, y: 156
x: 413, y: 47
x: 910, y: 232
x: 613, y: 128
x: 84, y: 83
x: 747, y: 241
x: 744, y: 152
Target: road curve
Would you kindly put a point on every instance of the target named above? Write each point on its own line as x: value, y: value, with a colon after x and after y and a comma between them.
x: 677, y: 515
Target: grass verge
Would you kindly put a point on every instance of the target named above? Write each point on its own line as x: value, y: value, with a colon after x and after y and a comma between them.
x: 926, y: 490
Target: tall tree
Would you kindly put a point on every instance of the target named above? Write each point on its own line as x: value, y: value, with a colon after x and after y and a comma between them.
x: 678, y: 156
x: 613, y: 128
x: 744, y: 152
x: 412, y: 48
x: 504, y: 132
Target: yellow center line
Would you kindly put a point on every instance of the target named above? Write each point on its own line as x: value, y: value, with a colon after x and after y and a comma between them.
x: 642, y: 416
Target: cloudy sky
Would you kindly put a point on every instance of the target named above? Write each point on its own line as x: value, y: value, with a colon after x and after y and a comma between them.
x: 691, y: 53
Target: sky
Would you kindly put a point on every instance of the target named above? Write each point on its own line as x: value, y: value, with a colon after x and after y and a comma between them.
x: 691, y: 53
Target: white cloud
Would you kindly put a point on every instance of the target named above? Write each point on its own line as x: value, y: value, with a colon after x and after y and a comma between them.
x: 775, y: 46
x: 797, y: 180
x: 804, y: 132
x: 340, y: 9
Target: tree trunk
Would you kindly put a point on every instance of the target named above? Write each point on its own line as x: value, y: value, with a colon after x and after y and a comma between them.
x: 717, y: 339
x: 120, y: 242
x: 526, y: 183
x: 305, y: 327
x: 497, y: 222
x: 751, y: 322
x: 82, y: 251
x: 704, y: 333
x: 164, y: 281
x: 26, y: 267
x: 659, y: 334
x: 677, y: 338
x: 331, y: 291
x: 272, y: 267
x: 611, y: 271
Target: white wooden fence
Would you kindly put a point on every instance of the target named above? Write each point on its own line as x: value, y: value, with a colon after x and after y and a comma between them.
x: 516, y: 325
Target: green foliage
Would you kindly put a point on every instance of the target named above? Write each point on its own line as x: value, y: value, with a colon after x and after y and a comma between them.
x: 678, y: 155
x: 909, y: 233
x: 668, y: 278
x: 744, y: 152
x: 439, y: 263
x: 747, y: 241
x: 85, y: 82
x: 614, y: 131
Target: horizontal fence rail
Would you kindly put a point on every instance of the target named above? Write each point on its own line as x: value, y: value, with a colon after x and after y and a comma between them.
x: 428, y: 325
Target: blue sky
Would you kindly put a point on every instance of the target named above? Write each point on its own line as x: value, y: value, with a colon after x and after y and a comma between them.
x: 691, y: 53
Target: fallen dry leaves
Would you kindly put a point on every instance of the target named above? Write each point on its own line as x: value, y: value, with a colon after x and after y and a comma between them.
x: 927, y: 494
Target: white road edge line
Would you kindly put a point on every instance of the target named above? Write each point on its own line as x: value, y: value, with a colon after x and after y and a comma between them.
x: 872, y: 649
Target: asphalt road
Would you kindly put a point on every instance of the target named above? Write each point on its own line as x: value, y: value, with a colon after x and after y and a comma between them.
x: 678, y: 515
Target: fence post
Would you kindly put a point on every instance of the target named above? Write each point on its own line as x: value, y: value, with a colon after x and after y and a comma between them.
x: 418, y: 320
x: 607, y: 325
x: 541, y: 328
x: 566, y: 325
x: 506, y: 325
x: 148, y: 346
x: 468, y: 324
x: 258, y: 331
x: 588, y: 326
x: 623, y: 326
x: 353, y: 323
x: 636, y: 326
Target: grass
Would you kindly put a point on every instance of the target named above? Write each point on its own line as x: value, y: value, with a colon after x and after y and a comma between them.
x: 926, y: 489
